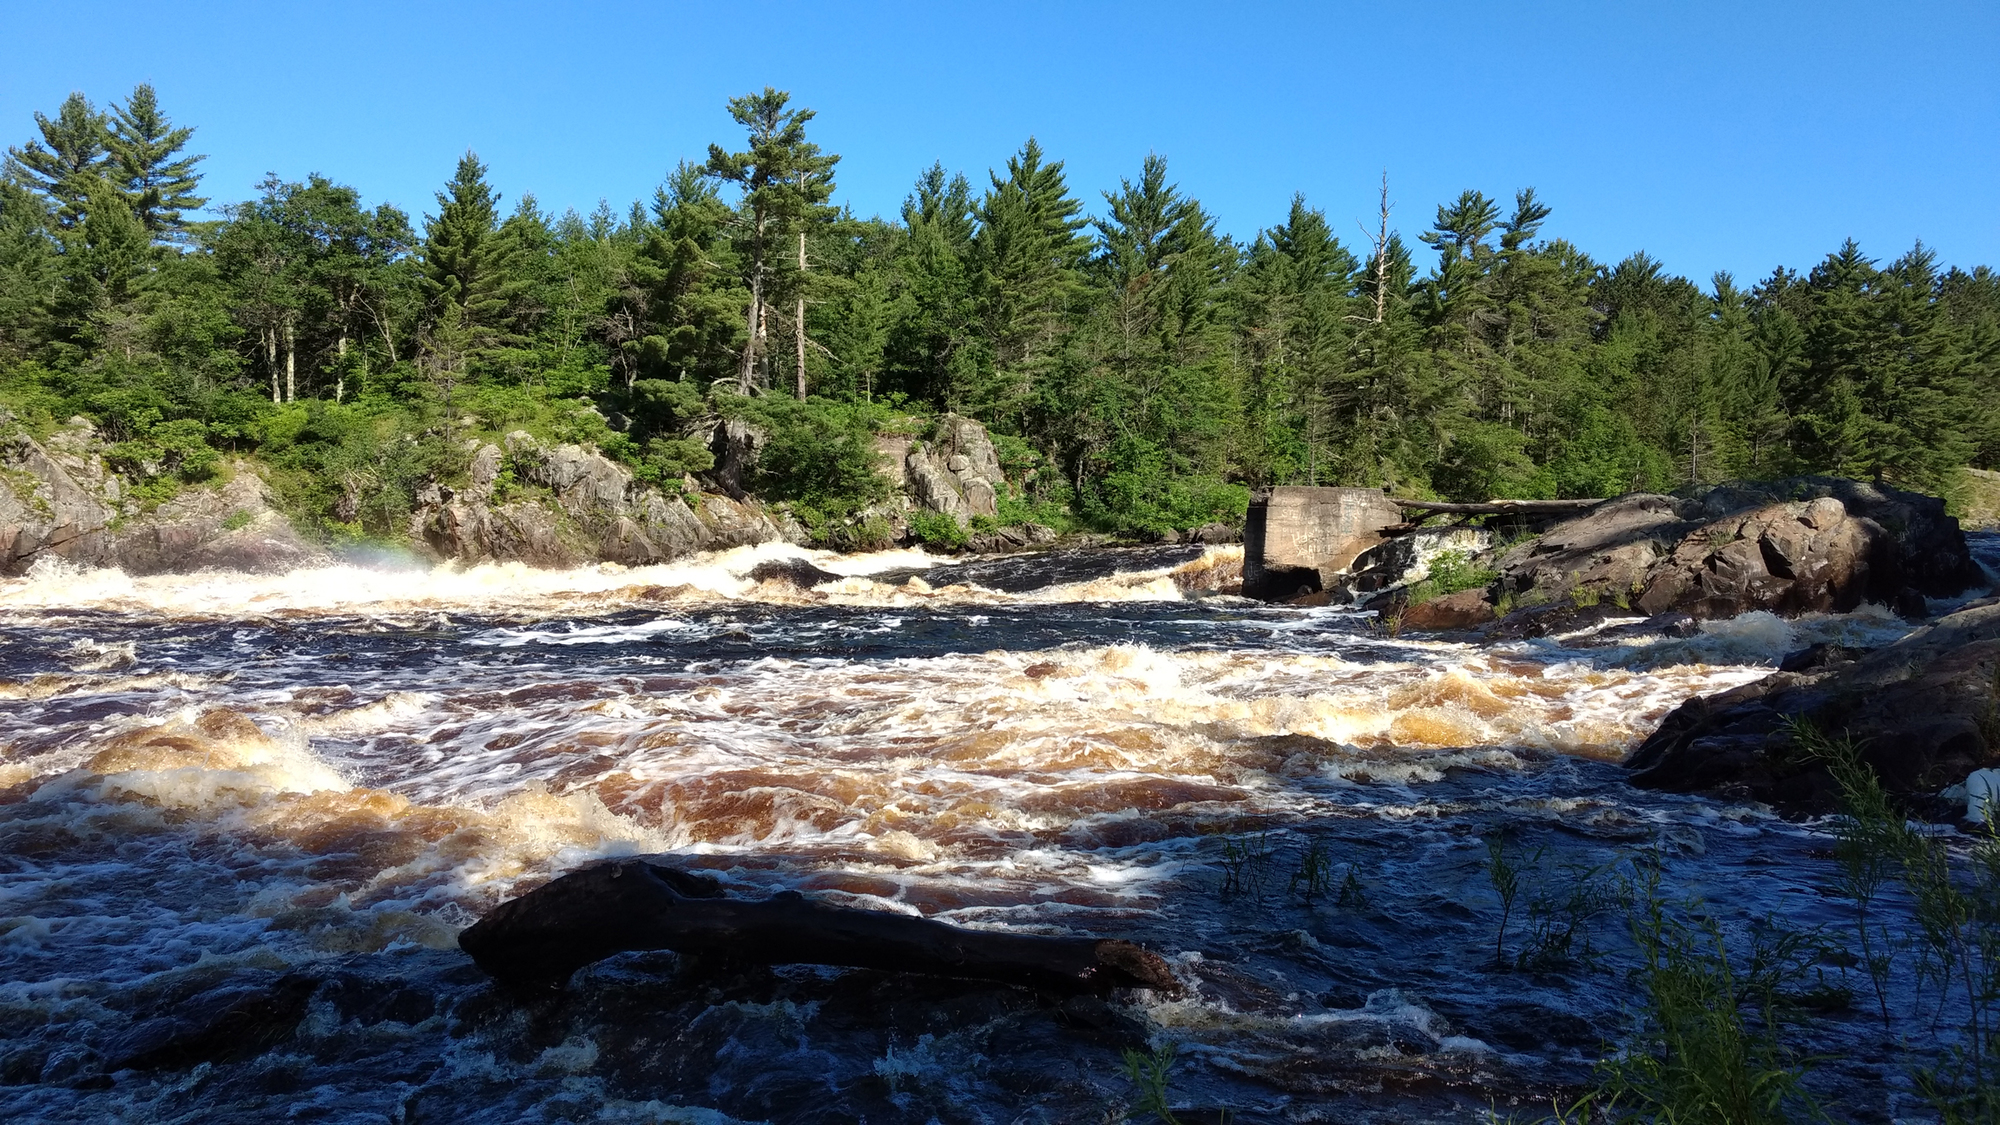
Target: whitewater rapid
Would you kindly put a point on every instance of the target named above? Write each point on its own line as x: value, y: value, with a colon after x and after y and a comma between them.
x: 209, y: 781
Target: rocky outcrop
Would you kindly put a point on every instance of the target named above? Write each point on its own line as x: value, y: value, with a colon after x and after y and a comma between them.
x: 957, y: 472
x: 1925, y: 712
x: 1016, y: 537
x: 1793, y: 546
x: 59, y: 500
x: 1804, y: 545
x: 583, y: 507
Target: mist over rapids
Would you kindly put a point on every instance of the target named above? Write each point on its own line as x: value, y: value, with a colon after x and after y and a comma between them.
x: 220, y: 786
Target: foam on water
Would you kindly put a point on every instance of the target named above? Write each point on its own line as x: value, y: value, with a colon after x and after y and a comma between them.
x: 212, y: 775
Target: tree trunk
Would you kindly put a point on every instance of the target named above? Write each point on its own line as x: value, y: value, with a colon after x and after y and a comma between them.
x: 291, y: 363
x: 271, y: 363
x: 545, y: 935
x: 1382, y: 254
x: 800, y: 327
x: 755, y: 327
x: 340, y: 368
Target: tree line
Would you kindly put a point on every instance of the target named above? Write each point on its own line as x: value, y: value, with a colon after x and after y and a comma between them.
x: 1141, y: 369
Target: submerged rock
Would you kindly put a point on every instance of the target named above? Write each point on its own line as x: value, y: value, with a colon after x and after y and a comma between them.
x: 229, y: 1024
x: 798, y: 572
x: 1925, y: 712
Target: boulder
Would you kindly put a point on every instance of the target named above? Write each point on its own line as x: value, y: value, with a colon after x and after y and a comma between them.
x: 1924, y: 710
x: 957, y: 472
x: 1466, y: 609
x: 798, y: 572
x: 1809, y: 544
x: 735, y: 443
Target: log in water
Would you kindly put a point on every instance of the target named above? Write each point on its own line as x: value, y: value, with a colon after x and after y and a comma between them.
x: 544, y: 936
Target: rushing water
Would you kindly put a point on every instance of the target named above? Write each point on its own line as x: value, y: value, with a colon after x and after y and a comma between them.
x: 214, y: 787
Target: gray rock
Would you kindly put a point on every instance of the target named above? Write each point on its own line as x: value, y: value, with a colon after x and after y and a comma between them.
x: 1923, y: 711
x: 957, y: 472
x: 1810, y: 544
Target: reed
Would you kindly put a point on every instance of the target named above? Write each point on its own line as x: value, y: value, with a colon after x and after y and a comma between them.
x: 1949, y: 946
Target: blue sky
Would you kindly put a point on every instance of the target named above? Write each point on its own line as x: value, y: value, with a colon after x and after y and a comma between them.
x: 1731, y: 136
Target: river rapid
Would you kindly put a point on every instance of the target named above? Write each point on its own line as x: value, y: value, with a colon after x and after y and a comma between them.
x: 220, y: 786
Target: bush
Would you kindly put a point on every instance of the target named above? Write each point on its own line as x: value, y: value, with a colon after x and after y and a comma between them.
x: 1450, y: 572
x: 817, y: 452
x: 936, y: 529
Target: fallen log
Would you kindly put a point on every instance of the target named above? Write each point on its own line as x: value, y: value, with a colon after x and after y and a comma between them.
x: 1497, y: 507
x: 539, y: 939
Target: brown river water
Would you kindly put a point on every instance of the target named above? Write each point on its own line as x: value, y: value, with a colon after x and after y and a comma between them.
x: 221, y: 786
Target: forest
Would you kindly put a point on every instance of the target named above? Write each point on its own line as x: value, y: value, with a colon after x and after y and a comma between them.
x: 1140, y: 370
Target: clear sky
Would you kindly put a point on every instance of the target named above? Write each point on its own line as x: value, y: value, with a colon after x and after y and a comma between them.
x: 1737, y: 136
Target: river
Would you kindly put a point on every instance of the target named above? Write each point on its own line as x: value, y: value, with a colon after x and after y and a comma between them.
x: 213, y: 785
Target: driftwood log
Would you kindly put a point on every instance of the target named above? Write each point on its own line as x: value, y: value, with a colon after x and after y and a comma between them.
x: 539, y: 939
x: 1425, y: 509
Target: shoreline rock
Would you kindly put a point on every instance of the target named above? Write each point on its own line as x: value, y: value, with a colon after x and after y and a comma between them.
x: 60, y: 500
x: 1924, y: 710
x: 1802, y: 545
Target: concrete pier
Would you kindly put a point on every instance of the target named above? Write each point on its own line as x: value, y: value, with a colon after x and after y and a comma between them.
x: 1296, y: 539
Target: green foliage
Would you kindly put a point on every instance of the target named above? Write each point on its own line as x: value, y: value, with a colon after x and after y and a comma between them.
x: 1450, y: 572
x: 1952, y: 927
x: 1140, y: 372
x: 936, y: 529
x: 1149, y: 1073
x: 818, y: 452
x: 1711, y: 1047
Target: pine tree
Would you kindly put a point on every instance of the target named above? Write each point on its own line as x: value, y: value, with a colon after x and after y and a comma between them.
x: 104, y: 267
x: 145, y: 155
x: 680, y: 305
x: 1029, y: 254
x: 785, y: 180
x: 472, y: 275
x: 27, y: 264
x: 61, y: 166
x: 932, y: 341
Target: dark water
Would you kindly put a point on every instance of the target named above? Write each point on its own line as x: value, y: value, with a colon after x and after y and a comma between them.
x: 242, y: 820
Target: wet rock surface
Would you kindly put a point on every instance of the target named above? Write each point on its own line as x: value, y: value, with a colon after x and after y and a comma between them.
x: 798, y: 572
x: 60, y: 501
x: 1804, y: 545
x: 1925, y: 712
x: 589, y: 508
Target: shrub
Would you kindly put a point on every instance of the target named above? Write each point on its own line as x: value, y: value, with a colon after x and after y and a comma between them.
x: 1450, y: 572
x: 936, y: 529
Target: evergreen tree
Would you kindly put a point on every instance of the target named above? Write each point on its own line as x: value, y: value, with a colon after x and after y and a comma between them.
x: 27, y: 266
x: 472, y: 276
x: 931, y: 350
x: 1029, y: 254
x: 785, y: 180
x: 62, y: 166
x: 145, y: 151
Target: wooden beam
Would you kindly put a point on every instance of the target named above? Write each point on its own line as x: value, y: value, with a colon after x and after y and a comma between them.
x: 1498, y: 507
x: 539, y: 939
